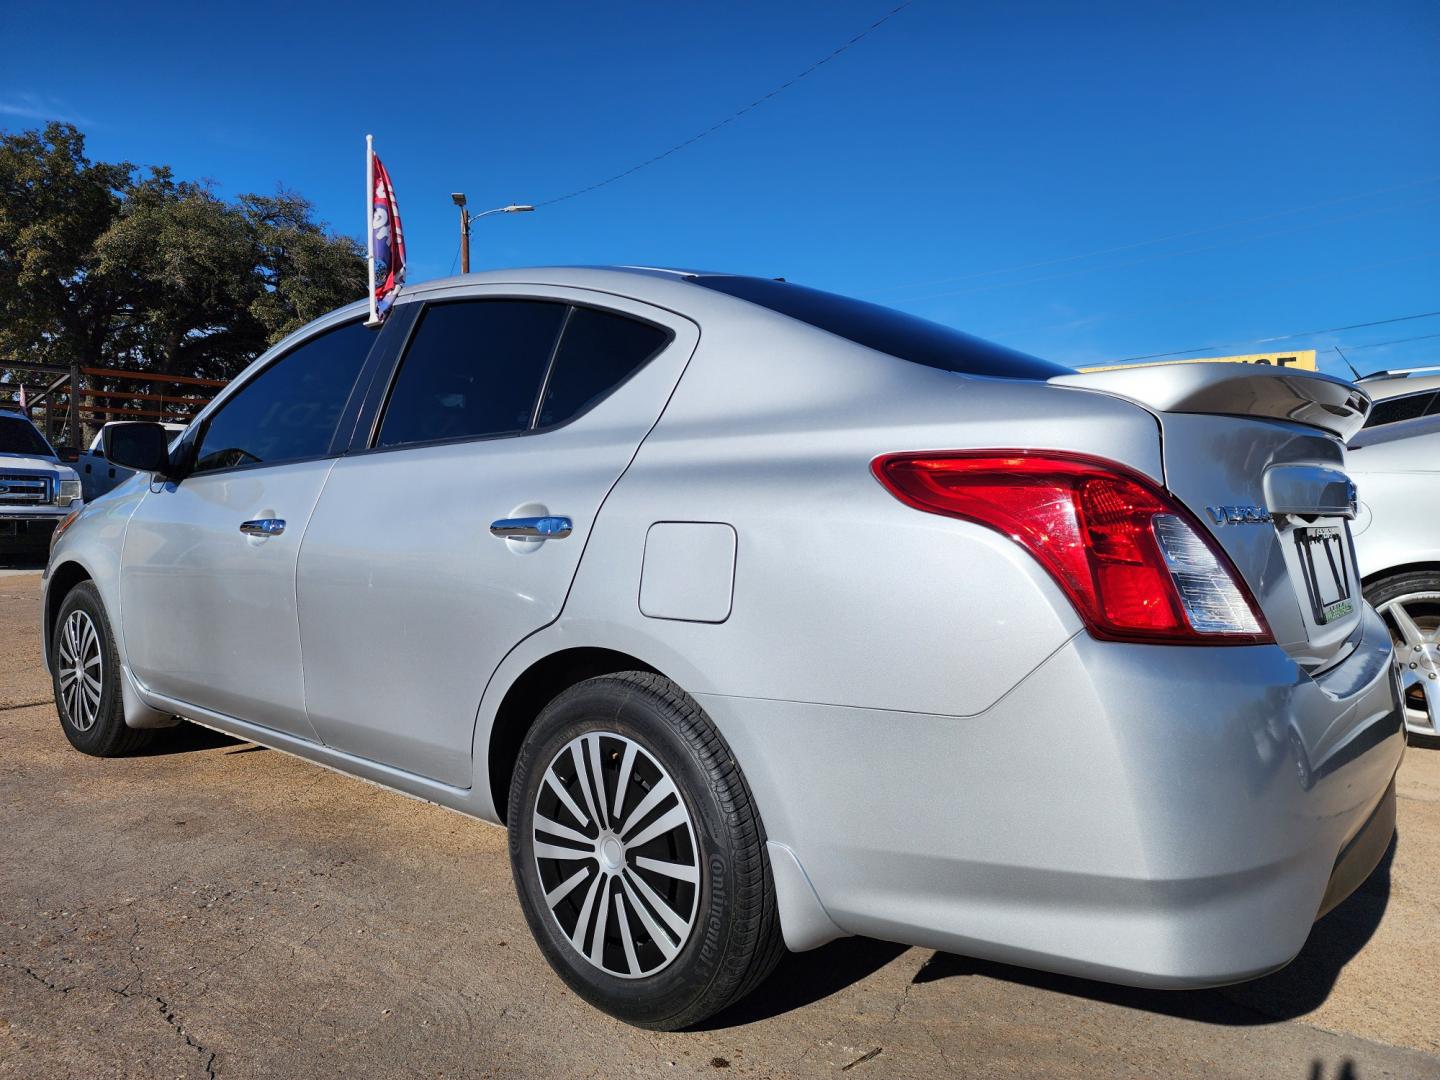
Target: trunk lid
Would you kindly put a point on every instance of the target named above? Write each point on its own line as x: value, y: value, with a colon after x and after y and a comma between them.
x: 1257, y: 455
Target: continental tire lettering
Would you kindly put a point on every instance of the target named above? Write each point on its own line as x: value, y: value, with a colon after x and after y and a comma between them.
x: 715, y: 921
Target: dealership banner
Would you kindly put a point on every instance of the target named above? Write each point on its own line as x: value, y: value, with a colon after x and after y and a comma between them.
x: 1299, y: 359
x: 385, y: 249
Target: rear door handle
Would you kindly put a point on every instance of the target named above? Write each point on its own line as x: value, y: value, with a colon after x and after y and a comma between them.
x: 263, y: 527
x: 533, y: 528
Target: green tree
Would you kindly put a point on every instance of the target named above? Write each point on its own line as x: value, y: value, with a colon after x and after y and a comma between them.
x: 302, y: 269
x: 103, y: 266
x: 184, y: 265
x: 55, y: 204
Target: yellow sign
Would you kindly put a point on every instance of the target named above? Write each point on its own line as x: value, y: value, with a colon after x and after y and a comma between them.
x: 1300, y: 359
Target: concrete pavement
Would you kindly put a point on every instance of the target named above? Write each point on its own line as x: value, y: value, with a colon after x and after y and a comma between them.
x: 216, y: 909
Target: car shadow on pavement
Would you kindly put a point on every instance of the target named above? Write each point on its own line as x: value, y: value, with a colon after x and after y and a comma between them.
x: 802, y: 979
x: 186, y: 738
x: 1291, y: 992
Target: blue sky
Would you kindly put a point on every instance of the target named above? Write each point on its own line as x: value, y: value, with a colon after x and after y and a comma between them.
x: 1083, y: 181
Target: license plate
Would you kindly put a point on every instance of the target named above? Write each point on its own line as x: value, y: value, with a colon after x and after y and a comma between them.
x: 1326, y: 566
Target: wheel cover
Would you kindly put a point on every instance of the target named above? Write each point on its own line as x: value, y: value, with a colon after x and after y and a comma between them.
x: 1414, y: 622
x: 616, y: 854
x: 82, y: 670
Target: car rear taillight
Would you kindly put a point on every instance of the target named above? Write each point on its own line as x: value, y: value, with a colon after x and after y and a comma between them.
x: 1132, y: 560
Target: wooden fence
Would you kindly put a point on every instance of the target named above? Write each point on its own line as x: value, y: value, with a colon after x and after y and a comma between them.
x: 71, y: 404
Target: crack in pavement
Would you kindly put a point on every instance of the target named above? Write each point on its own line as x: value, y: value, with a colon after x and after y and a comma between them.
x: 41, y: 979
x: 168, y: 1012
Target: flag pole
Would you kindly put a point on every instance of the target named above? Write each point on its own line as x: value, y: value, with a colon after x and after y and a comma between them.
x: 374, y: 319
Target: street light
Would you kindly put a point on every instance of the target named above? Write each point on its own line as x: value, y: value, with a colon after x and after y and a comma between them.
x: 458, y: 198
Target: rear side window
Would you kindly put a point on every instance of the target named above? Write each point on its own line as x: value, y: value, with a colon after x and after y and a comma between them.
x: 474, y: 367
x: 885, y: 329
x: 288, y: 411
x: 598, y: 352
x: 1393, y: 410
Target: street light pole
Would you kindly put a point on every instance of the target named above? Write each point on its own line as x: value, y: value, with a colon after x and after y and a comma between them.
x: 458, y: 198
x: 464, y: 240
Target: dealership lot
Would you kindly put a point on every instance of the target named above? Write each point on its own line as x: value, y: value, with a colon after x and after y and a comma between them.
x: 213, y: 908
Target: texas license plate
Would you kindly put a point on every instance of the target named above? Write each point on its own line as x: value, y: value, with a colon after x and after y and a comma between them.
x: 1326, y: 566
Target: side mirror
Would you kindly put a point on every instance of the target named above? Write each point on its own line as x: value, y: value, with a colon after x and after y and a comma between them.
x: 67, y: 454
x: 138, y: 445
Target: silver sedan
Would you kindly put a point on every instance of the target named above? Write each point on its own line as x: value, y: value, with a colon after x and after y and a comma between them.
x: 760, y: 616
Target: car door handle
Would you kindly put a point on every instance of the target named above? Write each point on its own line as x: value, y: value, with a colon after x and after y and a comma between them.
x: 263, y: 527
x: 533, y: 528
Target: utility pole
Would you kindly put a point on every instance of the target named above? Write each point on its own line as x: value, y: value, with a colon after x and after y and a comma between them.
x: 458, y: 198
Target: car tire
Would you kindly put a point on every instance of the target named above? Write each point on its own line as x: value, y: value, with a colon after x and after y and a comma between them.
x: 660, y: 907
x: 92, y: 715
x: 1417, y: 592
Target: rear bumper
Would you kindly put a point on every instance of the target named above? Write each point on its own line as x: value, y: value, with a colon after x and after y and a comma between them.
x: 1168, y: 817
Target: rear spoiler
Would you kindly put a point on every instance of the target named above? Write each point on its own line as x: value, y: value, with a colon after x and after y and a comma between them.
x: 1302, y: 397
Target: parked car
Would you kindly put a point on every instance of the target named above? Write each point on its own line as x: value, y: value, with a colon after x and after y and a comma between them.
x: 1396, y: 468
x: 1401, y: 394
x: 760, y: 616
x: 36, y: 490
x: 98, y: 474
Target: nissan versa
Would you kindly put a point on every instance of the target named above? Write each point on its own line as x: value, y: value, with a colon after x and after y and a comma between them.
x: 760, y: 616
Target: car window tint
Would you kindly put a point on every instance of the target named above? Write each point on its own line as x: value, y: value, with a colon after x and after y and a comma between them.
x: 885, y: 329
x: 1393, y: 410
x: 473, y: 368
x: 599, y: 351
x: 18, y: 436
x: 288, y: 411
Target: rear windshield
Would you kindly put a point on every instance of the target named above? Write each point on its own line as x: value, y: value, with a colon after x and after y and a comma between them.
x: 885, y: 329
x: 19, y: 436
x: 1393, y: 410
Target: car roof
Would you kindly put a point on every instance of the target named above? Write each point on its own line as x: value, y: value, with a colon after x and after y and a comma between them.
x: 1415, y: 427
x: 640, y: 282
x: 1391, y: 384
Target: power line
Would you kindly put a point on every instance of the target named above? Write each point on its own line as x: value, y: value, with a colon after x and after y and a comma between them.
x: 1281, y: 337
x: 1241, y: 240
x: 1290, y: 281
x: 1395, y: 341
x: 738, y: 113
x: 1159, y: 239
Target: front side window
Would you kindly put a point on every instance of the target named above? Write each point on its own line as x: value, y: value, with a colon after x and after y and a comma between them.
x: 289, y: 411
x: 18, y: 436
x: 599, y: 351
x: 473, y: 368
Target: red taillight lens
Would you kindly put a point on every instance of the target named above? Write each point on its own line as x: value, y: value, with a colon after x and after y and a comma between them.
x: 1134, y: 563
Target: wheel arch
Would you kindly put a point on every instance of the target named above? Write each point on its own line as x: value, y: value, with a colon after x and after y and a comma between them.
x: 62, y: 579
x: 534, y: 688
x: 1426, y: 567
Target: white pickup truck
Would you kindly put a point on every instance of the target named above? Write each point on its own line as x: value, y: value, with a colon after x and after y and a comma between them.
x: 36, y: 490
x: 98, y: 475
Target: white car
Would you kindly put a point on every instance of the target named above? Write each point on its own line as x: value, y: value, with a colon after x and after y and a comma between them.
x: 1401, y: 394
x: 1396, y: 469
x: 36, y: 490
